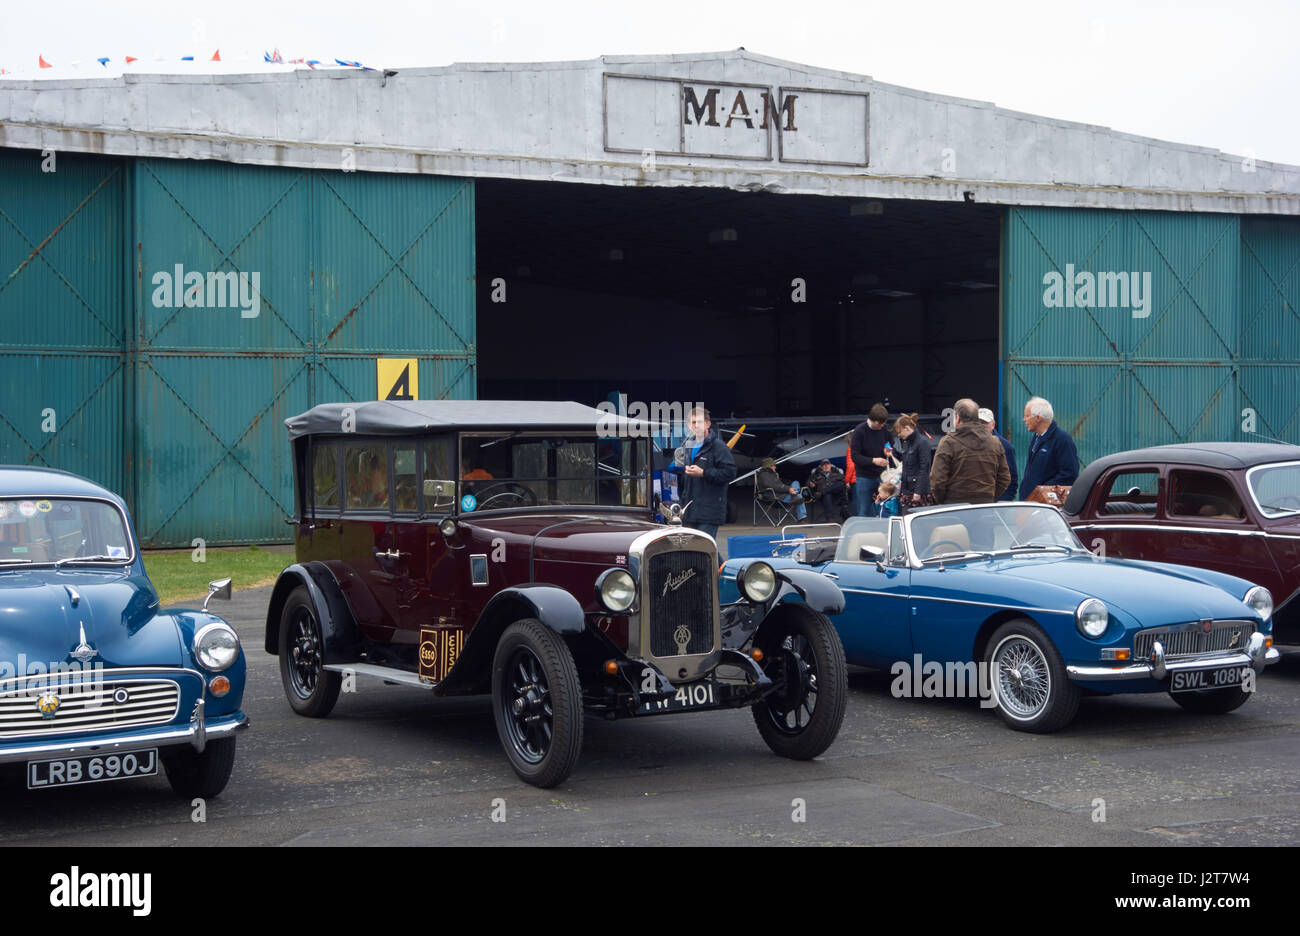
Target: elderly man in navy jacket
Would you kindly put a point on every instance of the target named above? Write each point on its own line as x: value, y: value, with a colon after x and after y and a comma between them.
x: 1052, y: 456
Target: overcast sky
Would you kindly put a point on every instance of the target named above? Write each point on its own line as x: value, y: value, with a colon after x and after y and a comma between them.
x: 1217, y: 74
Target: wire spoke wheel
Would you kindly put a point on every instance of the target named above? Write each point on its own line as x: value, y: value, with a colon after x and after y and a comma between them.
x: 1024, y: 682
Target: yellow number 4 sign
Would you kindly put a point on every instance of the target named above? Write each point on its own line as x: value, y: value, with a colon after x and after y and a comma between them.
x: 399, y: 378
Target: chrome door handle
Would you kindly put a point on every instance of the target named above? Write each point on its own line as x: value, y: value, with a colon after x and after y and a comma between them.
x: 390, y: 554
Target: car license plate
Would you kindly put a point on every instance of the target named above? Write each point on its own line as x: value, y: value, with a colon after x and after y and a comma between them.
x: 1191, y: 680
x: 696, y: 695
x: 96, y: 769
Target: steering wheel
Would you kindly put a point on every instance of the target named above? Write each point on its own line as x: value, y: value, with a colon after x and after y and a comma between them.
x: 933, y: 549
x: 510, y: 494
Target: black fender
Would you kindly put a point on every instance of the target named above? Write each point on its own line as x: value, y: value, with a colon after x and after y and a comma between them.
x: 339, y: 627
x: 814, y: 589
x: 558, y: 611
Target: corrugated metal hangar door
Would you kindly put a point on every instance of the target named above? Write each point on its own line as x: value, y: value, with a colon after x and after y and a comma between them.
x: 1146, y: 328
x: 63, y: 296
x: 333, y: 270
x: 252, y: 292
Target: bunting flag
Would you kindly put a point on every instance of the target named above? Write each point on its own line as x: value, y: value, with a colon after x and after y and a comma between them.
x: 130, y: 59
x: 44, y: 64
x: 187, y: 58
x: 273, y: 57
x: 216, y: 56
x: 103, y: 61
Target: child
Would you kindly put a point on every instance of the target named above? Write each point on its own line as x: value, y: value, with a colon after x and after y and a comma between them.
x: 887, y: 500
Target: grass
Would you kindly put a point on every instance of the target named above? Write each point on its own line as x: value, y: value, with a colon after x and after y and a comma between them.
x: 179, y: 578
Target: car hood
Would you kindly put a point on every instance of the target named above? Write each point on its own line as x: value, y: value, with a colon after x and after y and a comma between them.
x: 119, y: 613
x: 1142, y: 590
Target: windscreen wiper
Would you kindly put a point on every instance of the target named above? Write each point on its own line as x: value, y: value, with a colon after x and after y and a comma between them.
x: 62, y: 562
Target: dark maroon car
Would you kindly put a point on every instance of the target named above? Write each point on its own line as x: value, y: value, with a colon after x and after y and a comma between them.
x: 510, y: 548
x: 1228, y: 506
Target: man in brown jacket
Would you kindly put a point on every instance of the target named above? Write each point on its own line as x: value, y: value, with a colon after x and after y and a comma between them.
x: 969, y: 465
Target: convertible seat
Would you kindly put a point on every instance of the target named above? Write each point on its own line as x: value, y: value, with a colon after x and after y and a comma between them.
x: 873, y: 538
x: 955, y: 533
x: 1128, y: 507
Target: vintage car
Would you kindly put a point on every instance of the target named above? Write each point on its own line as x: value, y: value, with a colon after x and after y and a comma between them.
x: 1008, y: 585
x: 1229, y: 506
x: 508, y: 548
x: 96, y: 681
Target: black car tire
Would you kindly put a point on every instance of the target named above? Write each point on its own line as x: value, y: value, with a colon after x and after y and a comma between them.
x: 193, y: 774
x: 1021, y: 645
x: 311, y: 689
x: 1212, y: 701
x: 806, y: 645
x: 534, y: 677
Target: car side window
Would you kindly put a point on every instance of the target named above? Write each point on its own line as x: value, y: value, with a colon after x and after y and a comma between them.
x: 405, y: 479
x: 1134, y: 491
x: 325, y: 478
x: 365, y: 470
x: 1203, y: 495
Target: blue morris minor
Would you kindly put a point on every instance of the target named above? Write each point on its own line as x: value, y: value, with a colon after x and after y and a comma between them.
x: 1009, y: 586
x: 96, y: 682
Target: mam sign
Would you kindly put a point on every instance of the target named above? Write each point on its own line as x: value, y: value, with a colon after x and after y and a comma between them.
x: 728, y: 120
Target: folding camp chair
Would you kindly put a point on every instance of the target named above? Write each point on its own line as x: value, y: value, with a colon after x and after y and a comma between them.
x: 776, y: 511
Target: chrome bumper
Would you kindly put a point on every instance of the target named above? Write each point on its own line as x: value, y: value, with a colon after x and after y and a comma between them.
x: 196, y: 734
x: 1256, y: 656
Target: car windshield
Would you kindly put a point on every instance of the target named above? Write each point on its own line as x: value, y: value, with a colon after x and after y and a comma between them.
x: 62, y: 530
x: 516, y: 469
x: 1017, y: 528
x: 1276, y: 489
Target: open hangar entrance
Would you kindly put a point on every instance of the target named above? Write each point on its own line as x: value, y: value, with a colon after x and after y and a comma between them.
x: 689, y: 294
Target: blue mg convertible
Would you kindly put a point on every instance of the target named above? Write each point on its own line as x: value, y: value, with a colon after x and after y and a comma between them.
x: 96, y: 683
x: 1007, y: 591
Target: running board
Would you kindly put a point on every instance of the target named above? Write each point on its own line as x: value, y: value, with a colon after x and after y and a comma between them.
x: 386, y: 673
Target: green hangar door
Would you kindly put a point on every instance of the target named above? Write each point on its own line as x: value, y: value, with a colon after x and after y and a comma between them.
x: 63, y: 295
x: 1147, y: 328
x: 263, y: 291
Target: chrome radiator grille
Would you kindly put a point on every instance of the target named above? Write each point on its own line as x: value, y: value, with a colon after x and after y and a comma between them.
x: 1192, y: 639
x: 681, y: 592
x: 90, y: 705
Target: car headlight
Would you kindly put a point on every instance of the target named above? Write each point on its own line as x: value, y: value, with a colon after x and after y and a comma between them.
x: 1092, y: 617
x: 616, y: 590
x: 216, y: 646
x: 757, y: 582
x: 1261, y: 599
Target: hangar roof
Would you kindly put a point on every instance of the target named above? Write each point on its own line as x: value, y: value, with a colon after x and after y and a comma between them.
x: 732, y: 120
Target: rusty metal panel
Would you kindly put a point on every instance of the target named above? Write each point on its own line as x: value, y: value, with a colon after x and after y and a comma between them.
x: 62, y: 302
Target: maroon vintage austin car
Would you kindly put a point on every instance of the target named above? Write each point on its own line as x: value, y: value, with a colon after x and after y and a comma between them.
x: 1229, y: 506
x: 509, y: 548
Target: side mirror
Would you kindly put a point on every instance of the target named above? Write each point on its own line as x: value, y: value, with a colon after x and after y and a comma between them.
x: 218, y: 589
x: 870, y: 554
x: 438, y: 494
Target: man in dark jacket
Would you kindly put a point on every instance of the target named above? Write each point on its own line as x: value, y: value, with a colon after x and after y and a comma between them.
x: 828, y: 483
x: 969, y: 465
x: 867, y: 447
x: 990, y: 422
x: 1053, y: 458
x: 709, y: 470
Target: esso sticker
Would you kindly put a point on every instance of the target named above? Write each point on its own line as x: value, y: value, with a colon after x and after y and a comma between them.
x: 468, y: 502
x: 27, y: 508
x: 44, y: 506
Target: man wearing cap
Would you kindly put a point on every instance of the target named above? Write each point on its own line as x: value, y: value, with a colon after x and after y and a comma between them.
x: 768, y: 480
x: 987, y: 418
x: 827, y: 482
